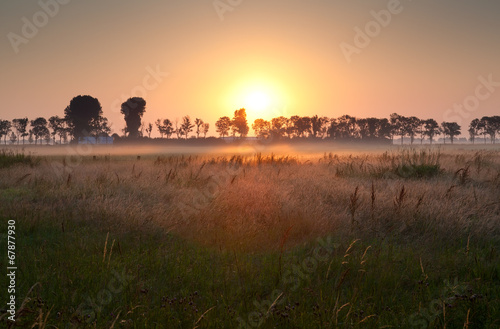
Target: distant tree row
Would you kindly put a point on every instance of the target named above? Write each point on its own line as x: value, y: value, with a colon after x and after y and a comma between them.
x: 347, y: 127
x: 83, y: 118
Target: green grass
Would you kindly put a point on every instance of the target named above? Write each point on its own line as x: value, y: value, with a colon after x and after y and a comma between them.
x: 10, y: 158
x: 171, y: 282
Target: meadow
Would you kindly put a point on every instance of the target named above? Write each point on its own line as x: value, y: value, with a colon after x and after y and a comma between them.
x: 245, y: 237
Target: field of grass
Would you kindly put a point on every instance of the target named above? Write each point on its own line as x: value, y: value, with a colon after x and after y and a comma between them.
x: 403, y: 238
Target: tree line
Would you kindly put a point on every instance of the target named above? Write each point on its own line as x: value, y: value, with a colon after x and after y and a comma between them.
x: 83, y: 117
x: 348, y: 127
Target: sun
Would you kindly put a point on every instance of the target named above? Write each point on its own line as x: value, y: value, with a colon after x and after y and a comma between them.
x: 257, y: 102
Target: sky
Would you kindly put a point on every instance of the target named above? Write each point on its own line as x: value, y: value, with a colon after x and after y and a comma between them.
x: 206, y: 59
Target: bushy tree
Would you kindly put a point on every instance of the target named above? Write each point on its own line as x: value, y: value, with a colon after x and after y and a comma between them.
x: 5, y: 126
x: 133, y: 110
x: 20, y: 125
x: 39, y: 128
x: 451, y: 129
x: 222, y: 126
x: 239, y: 122
x: 431, y: 129
x: 80, y: 113
x: 261, y: 128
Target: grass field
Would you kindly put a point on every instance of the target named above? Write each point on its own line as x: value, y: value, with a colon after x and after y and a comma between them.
x: 386, y: 238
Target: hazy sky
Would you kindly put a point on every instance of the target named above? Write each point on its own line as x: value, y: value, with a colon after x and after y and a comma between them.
x: 281, y: 57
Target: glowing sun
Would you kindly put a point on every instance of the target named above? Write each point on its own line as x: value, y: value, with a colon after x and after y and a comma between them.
x: 257, y: 102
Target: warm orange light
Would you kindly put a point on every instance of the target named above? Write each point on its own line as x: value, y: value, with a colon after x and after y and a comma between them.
x: 257, y: 102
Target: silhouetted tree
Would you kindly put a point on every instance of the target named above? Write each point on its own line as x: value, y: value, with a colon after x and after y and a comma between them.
x: 56, y: 124
x: 133, y: 110
x: 491, y: 126
x: 39, y: 128
x: 178, y: 130
x: 79, y: 114
x: 278, y: 127
x: 205, y: 128
x: 198, y: 123
x: 165, y: 127
x: 451, y: 129
x: 99, y: 128
x: 421, y: 131
x: 149, y: 129
x: 474, y: 129
x: 412, y: 126
x: 384, y: 129
x: 303, y: 126
x: 13, y: 138
x: 4, y: 129
x: 239, y: 122
x: 400, y: 124
x: 431, y: 129
x: 20, y: 126
x: 317, y: 124
x: 222, y: 126
x: 261, y: 128
x: 186, y: 126
x: 345, y: 127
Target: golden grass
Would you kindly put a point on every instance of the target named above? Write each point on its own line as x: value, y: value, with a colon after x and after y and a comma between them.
x: 250, y: 201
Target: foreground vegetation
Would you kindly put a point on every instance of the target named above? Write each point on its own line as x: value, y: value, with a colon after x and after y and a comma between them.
x: 404, y: 238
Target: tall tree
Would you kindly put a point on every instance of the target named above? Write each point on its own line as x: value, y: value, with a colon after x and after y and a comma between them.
x: 79, y: 114
x: 401, y: 125
x: 451, y: 129
x: 222, y: 126
x: 133, y: 110
x: 474, y: 129
x: 56, y: 124
x: 186, y: 126
x: 5, y: 126
x: 205, y: 128
x: 20, y: 126
x: 149, y: 129
x: 240, y: 123
x: 39, y: 128
x: 431, y: 129
x: 412, y: 126
x: 159, y: 126
x: 178, y: 130
x: 199, y: 123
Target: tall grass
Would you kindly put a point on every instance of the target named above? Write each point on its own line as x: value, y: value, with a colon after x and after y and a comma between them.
x: 230, y: 241
x: 9, y: 158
